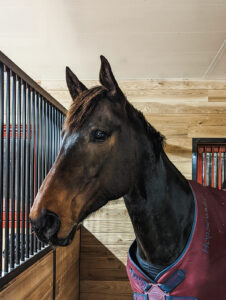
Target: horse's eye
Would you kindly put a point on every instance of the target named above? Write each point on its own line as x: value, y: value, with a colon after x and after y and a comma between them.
x: 99, y: 136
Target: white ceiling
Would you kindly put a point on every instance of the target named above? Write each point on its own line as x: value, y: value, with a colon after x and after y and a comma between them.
x: 141, y: 38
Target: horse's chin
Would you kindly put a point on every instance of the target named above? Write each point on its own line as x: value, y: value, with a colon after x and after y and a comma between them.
x: 63, y: 242
x: 55, y: 241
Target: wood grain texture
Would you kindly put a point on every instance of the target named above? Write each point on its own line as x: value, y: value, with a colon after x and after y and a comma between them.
x: 35, y: 283
x: 67, y: 270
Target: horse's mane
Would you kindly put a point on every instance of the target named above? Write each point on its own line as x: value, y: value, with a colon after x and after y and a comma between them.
x: 82, y: 107
x: 155, y: 137
x: 85, y: 103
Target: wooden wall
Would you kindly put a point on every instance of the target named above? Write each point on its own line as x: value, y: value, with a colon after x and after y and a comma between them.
x: 181, y: 110
x: 36, y: 282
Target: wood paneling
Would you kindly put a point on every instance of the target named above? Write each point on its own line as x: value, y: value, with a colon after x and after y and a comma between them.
x: 102, y: 273
x: 36, y: 282
x: 67, y: 270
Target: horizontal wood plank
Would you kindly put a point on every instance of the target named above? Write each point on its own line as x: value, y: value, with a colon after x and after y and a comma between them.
x: 35, y: 283
x: 105, y: 287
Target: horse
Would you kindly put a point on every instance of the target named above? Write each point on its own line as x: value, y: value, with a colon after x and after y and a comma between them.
x: 108, y: 151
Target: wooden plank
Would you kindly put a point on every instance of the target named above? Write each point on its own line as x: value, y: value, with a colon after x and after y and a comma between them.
x: 105, y: 287
x: 207, y: 131
x: 102, y: 268
x: 110, y: 238
x: 177, y: 120
x: 99, y: 296
x: 34, y: 283
x: 112, y: 211
x: 183, y: 108
x: 107, y: 226
x: 217, y: 95
x: 147, y: 84
x: 99, y: 250
x: 67, y: 270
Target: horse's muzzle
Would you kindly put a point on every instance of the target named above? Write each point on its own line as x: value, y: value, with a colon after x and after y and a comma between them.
x: 46, y: 226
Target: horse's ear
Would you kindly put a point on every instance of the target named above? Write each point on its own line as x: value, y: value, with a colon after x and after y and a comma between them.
x: 75, y: 86
x: 107, y: 78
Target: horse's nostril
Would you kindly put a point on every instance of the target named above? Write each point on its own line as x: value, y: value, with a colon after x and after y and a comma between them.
x: 46, y: 225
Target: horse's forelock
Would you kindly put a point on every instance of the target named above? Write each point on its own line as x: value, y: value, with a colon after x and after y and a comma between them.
x: 82, y: 107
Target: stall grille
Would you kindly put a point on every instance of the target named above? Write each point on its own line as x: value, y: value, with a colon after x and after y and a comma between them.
x: 30, y: 125
x: 211, y: 165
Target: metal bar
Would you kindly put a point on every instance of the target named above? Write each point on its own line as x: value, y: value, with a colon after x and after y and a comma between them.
x: 43, y: 139
x: 14, y: 68
x: 200, y: 164
x: 42, y: 144
x: 212, y: 163
x: 40, y: 161
x: 205, y: 167
x: 49, y: 136
x: 219, y: 170
x: 36, y: 159
x: 7, y: 172
x: 46, y: 138
x: 32, y: 170
x: 23, y: 168
x: 55, y: 129
x: 58, y: 131
x: 18, y: 170
x: 13, y: 163
x: 27, y: 178
x: 53, y: 136
x: 1, y: 156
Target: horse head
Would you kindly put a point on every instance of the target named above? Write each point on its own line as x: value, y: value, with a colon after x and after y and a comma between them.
x: 97, y: 161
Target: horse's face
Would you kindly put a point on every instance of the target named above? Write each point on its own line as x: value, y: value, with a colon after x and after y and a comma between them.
x: 94, y: 164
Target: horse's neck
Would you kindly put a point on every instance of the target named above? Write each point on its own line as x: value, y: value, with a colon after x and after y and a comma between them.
x: 161, y: 208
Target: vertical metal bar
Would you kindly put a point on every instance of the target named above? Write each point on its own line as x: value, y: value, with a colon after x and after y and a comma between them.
x: 40, y: 160
x: 32, y: 170
x: 55, y: 129
x: 53, y: 136
x: 23, y: 168
x: 219, y: 169
x: 43, y: 138
x: 212, y: 163
x: 205, y: 171
x: 43, y: 142
x: 49, y: 136
x: 7, y: 172
x: 13, y: 162
x: 215, y: 170
x: 27, y: 178
x: 37, y: 124
x: 18, y: 171
x: 199, y: 164
x: 1, y: 156
x: 58, y: 130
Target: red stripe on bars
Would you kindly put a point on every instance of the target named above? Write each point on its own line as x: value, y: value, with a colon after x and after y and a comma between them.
x: 11, y: 129
x: 212, y: 177
x: 199, y: 164
x: 219, y: 177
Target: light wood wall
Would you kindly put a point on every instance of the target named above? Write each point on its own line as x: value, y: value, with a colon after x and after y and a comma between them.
x: 181, y: 110
x: 36, y: 282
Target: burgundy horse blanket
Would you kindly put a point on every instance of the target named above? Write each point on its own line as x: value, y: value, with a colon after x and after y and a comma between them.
x: 200, y: 271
